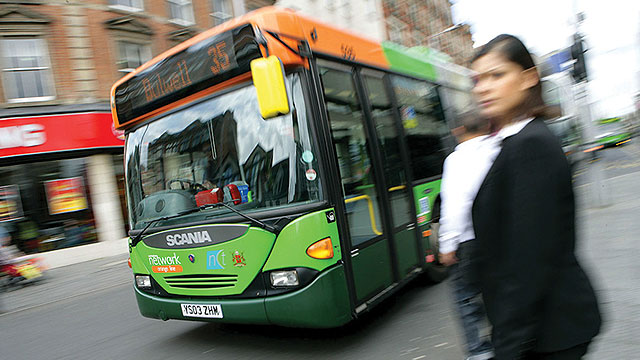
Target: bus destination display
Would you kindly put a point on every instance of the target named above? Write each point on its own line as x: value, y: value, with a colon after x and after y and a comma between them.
x: 195, y: 68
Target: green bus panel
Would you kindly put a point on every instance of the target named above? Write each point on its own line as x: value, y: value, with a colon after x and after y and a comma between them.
x: 404, y: 61
x: 322, y: 304
x: 237, y: 262
x: 290, y: 249
x: 372, y: 270
x: 407, y: 252
x: 239, y: 311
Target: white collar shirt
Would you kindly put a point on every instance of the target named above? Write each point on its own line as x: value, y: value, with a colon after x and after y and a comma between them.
x: 463, y: 173
x: 512, y: 129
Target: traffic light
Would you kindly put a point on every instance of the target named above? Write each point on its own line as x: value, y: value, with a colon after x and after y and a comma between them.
x: 579, y: 71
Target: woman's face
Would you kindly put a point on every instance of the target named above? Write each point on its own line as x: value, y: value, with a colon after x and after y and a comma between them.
x: 500, y: 85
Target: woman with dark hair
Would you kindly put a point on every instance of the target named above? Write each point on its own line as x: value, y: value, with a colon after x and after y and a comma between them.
x: 538, y: 298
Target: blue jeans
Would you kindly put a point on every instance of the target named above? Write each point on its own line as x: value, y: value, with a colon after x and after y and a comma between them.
x: 466, y: 291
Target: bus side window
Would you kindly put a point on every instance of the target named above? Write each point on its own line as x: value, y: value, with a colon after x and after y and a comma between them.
x: 424, y: 125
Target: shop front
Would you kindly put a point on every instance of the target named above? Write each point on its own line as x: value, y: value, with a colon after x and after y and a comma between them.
x: 59, y: 180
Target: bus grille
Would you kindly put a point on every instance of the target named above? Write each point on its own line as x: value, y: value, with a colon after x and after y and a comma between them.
x: 201, y: 281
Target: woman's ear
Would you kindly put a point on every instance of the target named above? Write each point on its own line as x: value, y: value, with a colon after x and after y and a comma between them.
x: 530, y: 78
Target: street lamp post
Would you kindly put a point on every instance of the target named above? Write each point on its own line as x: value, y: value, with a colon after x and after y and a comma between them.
x: 599, y: 191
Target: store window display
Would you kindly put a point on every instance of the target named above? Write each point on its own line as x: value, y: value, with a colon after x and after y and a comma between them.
x: 51, y: 205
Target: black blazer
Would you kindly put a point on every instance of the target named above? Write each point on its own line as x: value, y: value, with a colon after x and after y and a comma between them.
x: 536, y: 294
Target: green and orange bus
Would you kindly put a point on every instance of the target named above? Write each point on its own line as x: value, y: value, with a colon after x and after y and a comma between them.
x: 283, y: 171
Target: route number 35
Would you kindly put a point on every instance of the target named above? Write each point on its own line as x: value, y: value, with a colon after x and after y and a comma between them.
x: 219, y: 57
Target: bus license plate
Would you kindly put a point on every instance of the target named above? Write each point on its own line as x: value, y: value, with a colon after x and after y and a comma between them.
x: 202, y: 311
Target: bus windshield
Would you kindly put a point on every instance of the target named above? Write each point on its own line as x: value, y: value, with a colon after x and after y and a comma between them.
x: 217, y: 142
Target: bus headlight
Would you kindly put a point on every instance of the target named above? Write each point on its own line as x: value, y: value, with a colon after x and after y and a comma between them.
x: 143, y: 281
x: 284, y: 278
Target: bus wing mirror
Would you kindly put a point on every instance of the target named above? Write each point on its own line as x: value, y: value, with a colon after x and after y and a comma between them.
x: 268, y: 79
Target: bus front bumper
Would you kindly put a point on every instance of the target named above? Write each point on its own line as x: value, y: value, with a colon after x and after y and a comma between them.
x: 324, y: 303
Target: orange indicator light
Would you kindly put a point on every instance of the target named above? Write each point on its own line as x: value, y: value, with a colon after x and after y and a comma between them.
x: 426, y: 233
x: 322, y: 249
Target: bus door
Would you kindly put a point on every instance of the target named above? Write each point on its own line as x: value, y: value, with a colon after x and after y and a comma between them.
x: 398, y: 202
x: 428, y: 142
x: 371, y: 261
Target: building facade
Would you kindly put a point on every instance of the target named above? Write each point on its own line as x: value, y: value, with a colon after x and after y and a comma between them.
x: 407, y: 22
x: 362, y: 16
x: 61, y: 165
x: 428, y: 23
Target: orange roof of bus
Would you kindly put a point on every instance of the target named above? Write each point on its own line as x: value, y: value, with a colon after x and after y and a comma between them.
x: 328, y: 39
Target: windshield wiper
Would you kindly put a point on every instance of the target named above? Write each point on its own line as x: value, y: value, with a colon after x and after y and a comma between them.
x: 138, y: 237
x: 253, y: 220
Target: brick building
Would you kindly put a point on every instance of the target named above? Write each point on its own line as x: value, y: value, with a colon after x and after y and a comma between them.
x: 84, y: 46
x: 61, y: 167
x: 428, y: 23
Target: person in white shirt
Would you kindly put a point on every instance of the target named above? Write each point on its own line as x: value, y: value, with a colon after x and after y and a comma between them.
x: 463, y: 173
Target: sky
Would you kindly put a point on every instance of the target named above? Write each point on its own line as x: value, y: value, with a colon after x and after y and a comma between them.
x: 611, y: 30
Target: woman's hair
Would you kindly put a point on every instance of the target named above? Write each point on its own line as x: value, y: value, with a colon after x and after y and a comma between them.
x: 514, y: 50
x: 472, y: 121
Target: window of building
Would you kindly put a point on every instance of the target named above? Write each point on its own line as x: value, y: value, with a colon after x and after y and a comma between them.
x: 131, y: 41
x: 222, y: 11
x: 129, y: 5
x: 132, y: 55
x: 181, y: 12
x: 396, y: 29
x: 26, y: 71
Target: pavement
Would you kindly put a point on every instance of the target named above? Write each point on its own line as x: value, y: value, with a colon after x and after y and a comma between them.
x: 67, y: 282
x: 75, y: 255
x: 610, y: 257
x: 85, y: 308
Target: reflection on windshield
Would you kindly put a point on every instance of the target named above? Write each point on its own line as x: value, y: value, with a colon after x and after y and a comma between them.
x: 221, y: 149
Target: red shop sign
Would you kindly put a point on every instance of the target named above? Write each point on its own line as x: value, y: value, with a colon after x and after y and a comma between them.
x: 64, y: 132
